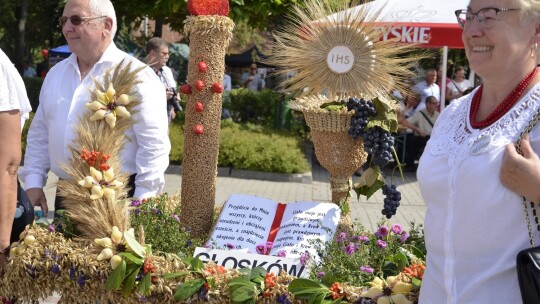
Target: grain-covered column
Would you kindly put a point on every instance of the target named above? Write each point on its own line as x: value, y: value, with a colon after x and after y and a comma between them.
x: 209, y: 31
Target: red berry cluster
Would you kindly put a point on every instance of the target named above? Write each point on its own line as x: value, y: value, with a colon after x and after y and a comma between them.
x: 270, y: 281
x: 149, y: 268
x: 337, y: 291
x: 95, y: 157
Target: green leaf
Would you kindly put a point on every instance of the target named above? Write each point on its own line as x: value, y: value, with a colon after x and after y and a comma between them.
x: 131, y: 258
x: 257, y: 272
x: 174, y: 275
x: 134, y: 245
x: 389, y: 269
x: 197, y: 264
x: 114, y: 281
x: 386, y: 117
x: 417, y: 252
x: 401, y: 260
x: 144, y: 284
x: 129, y: 282
x: 243, y: 293
x: 417, y: 283
x: 370, y: 181
x: 328, y: 280
x: 308, y: 290
x: 188, y: 289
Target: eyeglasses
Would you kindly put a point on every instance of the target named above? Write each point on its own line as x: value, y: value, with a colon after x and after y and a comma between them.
x: 486, y: 16
x: 76, y: 19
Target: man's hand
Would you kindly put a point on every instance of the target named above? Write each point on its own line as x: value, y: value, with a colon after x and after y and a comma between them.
x: 37, y: 197
x: 169, y: 93
x: 173, y: 114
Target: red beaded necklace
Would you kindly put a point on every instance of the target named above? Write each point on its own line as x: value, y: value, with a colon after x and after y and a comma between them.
x: 503, y: 107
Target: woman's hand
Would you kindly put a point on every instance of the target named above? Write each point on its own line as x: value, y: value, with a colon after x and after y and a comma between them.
x: 521, y: 173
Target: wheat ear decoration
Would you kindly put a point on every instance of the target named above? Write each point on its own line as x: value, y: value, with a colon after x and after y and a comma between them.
x: 96, y: 217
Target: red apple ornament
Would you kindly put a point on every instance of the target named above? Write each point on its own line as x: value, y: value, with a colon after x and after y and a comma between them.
x: 185, y: 89
x: 199, y: 85
x: 202, y: 67
x: 198, y: 129
x: 199, y: 107
x: 217, y: 88
x: 208, y: 7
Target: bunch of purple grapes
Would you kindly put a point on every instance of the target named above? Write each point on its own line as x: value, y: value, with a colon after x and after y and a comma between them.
x: 363, y: 110
x: 379, y: 143
x: 391, y: 201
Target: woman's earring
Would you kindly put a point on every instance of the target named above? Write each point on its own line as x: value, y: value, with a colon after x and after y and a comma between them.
x: 534, y: 49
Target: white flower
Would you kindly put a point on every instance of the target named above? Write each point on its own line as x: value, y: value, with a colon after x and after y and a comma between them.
x: 108, y: 106
x: 101, y: 184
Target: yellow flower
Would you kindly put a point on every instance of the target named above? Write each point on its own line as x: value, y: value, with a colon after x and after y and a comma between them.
x: 388, y: 291
x: 108, y: 106
x: 101, y: 184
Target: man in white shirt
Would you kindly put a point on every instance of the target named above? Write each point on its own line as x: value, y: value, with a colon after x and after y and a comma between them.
x: 227, y: 86
x: 29, y: 71
x: 157, y: 51
x: 253, y: 80
x: 428, y: 87
x: 422, y: 123
x: 65, y: 92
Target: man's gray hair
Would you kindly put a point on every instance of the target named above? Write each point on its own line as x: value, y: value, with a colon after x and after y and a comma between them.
x: 104, y: 8
x: 155, y: 44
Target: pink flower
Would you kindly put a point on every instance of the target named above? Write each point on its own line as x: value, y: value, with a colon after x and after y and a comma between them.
x: 366, y: 269
x: 381, y: 244
x: 304, y: 258
x: 341, y: 237
x: 350, y: 249
x: 282, y: 253
x: 404, y: 237
x: 382, y: 232
x: 261, y: 249
x: 396, y: 228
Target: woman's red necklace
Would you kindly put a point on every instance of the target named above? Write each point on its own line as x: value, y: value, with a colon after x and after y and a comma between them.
x: 503, y: 107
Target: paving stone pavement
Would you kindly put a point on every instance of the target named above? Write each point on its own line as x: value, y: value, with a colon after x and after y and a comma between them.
x: 312, y: 186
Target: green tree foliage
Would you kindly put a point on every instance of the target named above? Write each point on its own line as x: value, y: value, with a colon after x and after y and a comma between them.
x: 41, y: 29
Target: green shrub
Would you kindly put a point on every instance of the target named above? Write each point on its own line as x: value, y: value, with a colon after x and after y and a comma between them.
x: 250, y: 147
x: 254, y: 107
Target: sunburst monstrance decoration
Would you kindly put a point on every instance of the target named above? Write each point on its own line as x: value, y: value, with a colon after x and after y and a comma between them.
x: 336, y: 50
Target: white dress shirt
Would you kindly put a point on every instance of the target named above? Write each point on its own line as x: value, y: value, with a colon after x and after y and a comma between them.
x: 426, y: 91
x: 12, y: 91
x: 227, y: 86
x: 62, y: 100
x: 474, y: 226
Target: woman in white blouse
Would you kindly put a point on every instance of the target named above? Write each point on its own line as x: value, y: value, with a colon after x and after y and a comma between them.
x: 458, y: 86
x: 474, y: 225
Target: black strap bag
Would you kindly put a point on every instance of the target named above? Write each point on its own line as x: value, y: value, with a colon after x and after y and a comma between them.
x: 24, y: 214
x: 528, y: 260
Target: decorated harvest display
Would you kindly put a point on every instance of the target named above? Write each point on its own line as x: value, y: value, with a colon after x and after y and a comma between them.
x: 344, y: 73
x: 209, y: 31
x: 111, y: 249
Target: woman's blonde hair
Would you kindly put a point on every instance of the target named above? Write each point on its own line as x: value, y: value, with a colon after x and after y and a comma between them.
x: 529, y: 8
